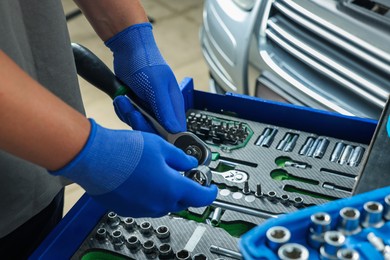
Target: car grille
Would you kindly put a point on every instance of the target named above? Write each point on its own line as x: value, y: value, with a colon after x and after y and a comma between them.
x: 340, y: 67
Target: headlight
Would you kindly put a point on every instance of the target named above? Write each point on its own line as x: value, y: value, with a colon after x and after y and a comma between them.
x: 246, y: 5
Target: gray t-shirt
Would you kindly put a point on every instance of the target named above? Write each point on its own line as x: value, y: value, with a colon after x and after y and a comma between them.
x: 34, y: 34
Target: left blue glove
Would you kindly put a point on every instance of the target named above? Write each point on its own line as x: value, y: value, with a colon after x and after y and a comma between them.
x: 139, y: 64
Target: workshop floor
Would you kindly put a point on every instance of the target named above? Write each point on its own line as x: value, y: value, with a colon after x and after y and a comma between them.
x: 176, y: 30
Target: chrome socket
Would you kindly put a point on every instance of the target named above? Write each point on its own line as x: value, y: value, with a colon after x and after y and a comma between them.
x: 335, y: 156
x: 298, y: 202
x: 133, y: 243
x: 146, y: 229
x: 113, y: 220
x: 183, y: 255
x: 129, y: 224
x: 277, y: 236
x: 101, y: 234
x: 320, y: 223
x: 199, y: 257
x: 321, y: 149
x: 386, y: 213
x: 293, y: 251
x: 117, y: 239
x: 165, y: 251
x: 349, y: 221
x: 334, y: 240
x: 346, y: 154
x: 272, y: 197
x: 216, y: 216
x: 306, y: 147
x: 162, y: 232
x: 356, y: 156
x: 285, y: 199
x: 372, y: 214
x: 313, y: 147
x: 149, y: 247
x: 347, y: 254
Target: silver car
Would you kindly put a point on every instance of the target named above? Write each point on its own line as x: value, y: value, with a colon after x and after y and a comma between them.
x: 326, y: 54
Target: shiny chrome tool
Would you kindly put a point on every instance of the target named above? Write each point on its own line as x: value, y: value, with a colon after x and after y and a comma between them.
x: 320, y: 223
x: 225, y: 252
x: 372, y: 214
x: 333, y: 241
x: 277, y: 236
x: 349, y: 221
x: 237, y: 176
x: 293, y: 251
x: 347, y: 254
x: 200, y: 174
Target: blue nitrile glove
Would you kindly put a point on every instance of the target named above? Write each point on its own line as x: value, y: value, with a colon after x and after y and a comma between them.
x: 139, y: 64
x: 129, y: 115
x: 136, y: 174
x: 388, y: 126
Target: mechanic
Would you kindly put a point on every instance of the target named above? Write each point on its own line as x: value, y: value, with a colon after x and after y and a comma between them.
x: 46, y: 140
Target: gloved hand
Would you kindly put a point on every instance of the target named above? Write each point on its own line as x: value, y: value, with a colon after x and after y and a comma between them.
x: 139, y: 64
x: 136, y: 174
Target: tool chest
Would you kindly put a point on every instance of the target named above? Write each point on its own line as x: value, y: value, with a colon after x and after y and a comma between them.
x: 269, y: 160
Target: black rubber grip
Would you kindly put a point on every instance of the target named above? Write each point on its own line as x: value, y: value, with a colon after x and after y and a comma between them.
x: 93, y: 70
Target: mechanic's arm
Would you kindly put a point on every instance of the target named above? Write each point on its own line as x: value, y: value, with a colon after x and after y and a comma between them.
x: 124, y: 27
x: 113, y: 166
x: 36, y: 125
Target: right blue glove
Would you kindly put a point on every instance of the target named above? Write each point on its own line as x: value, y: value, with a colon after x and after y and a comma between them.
x: 136, y: 174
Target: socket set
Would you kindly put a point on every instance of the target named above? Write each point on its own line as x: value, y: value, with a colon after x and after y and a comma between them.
x: 276, y: 170
x: 168, y: 237
x: 262, y: 171
x: 352, y: 228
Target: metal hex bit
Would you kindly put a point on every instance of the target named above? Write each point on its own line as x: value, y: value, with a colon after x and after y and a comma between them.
x: 347, y: 254
x: 334, y: 240
x: 349, y: 221
x: 320, y: 223
x: 338, y: 150
x: 346, y: 154
x: 277, y: 236
x: 356, y: 156
x: 246, y: 189
x: 313, y: 148
x: 386, y: 213
x: 372, y: 214
x: 293, y: 251
x: 305, y: 148
x: 258, y: 192
x: 321, y: 148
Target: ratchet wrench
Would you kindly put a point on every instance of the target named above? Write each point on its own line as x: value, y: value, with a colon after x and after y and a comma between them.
x: 93, y: 70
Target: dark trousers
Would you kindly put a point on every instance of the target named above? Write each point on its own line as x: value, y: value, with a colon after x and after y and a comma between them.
x: 22, y: 242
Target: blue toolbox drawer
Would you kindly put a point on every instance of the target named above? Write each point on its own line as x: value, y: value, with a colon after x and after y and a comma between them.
x: 264, y: 173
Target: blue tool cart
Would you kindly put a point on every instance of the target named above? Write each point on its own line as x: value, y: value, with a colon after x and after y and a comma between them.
x: 289, y: 180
